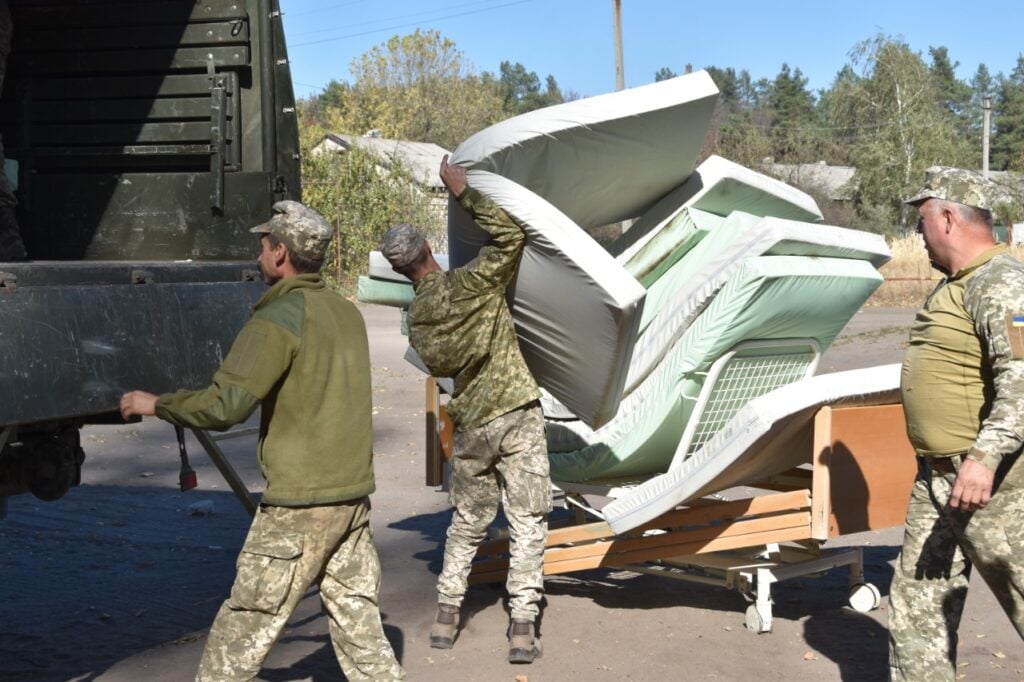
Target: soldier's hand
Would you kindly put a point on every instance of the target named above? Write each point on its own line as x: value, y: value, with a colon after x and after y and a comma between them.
x: 973, y: 486
x: 453, y: 177
x: 138, y: 403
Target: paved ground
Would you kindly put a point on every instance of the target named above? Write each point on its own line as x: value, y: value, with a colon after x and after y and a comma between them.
x: 118, y: 581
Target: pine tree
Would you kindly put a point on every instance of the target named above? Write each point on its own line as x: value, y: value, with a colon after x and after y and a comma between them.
x: 1008, y: 140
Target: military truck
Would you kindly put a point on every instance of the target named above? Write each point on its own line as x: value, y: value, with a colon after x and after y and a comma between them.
x: 145, y: 137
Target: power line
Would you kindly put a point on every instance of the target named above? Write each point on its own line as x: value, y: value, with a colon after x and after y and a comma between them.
x: 324, y: 9
x: 403, y: 17
x: 406, y: 25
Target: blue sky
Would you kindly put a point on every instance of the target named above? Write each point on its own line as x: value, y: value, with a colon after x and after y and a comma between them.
x: 573, y: 39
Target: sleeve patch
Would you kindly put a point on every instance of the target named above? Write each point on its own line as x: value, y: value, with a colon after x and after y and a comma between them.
x: 1015, y: 333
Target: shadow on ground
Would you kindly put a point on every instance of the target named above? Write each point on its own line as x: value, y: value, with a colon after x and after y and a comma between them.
x: 108, y: 559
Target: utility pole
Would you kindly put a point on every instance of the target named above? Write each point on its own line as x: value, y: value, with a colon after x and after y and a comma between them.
x: 620, y: 75
x: 986, y: 108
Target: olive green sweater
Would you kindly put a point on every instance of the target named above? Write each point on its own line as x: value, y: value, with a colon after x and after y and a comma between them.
x: 304, y: 357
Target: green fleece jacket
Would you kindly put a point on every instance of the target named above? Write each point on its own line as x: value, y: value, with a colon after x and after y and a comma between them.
x: 304, y: 357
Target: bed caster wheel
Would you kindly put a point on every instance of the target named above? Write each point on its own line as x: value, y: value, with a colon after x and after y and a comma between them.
x: 864, y: 597
x: 758, y: 620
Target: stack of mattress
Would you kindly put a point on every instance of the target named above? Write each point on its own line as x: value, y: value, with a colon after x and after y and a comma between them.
x: 622, y: 338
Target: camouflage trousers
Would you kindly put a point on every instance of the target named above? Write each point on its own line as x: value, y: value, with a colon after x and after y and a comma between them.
x: 505, y: 461
x: 940, y: 546
x: 287, y: 550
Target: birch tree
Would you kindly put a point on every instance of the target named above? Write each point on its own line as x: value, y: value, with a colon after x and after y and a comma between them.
x: 419, y: 87
x: 888, y: 108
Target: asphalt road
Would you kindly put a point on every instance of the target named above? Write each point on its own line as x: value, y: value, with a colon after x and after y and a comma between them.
x: 119, y: 580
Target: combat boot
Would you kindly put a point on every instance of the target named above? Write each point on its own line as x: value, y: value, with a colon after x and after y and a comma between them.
x: 11, y: 246
x: 522, y: 646
x: 446, y: 625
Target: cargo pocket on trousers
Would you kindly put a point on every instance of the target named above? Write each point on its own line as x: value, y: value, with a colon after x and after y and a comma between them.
x: 266, y: 567
x: 532, y: 491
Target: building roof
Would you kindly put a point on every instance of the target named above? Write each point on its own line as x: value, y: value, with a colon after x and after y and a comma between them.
x: 833, y: 180
x: 420, y: 159
x: 836, y: 180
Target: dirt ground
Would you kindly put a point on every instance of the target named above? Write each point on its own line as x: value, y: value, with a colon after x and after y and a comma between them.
x: 120, y: 580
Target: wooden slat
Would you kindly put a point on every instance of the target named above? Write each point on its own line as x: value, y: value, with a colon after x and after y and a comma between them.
x: 795, y: 532
x: 697, y: 538
x: 794, y: 479
x: 821, y: 460
x: 706, y: 533
x: 434, y: 474
x: 638, y: 555
x: 695, y: 516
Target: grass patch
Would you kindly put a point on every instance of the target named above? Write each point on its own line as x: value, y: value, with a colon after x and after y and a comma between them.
x: 909, y: 277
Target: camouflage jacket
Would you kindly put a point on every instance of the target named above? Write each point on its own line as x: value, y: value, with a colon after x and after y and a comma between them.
x: 461, y: 327
x: 963, y: 375
x: 304, y: 358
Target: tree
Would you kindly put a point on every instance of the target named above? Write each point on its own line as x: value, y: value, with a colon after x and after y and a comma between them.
x: 836, y: 143
x: 728, y: 86
x: 953, y: 94
x: 982, y: 85
x: 1008, y: 141
x: 897, y: 129
x: 664, y: 74
x: 793, y: 117
x: 362, y: 202
x: 417, y: 87
x: 738, y: 128
x: 789, y: 97
x: 522, y: 92
x: 334, y: 94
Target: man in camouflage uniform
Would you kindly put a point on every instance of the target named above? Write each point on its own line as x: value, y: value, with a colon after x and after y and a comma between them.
x: 303, y: 357
x: 963, y: 392
x: 460, y: 326
x: 11, y: 246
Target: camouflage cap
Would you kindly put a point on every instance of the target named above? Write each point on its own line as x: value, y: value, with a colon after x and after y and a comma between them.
x: 955, y: 184
x: 402, y: 245
x: 300, y: 228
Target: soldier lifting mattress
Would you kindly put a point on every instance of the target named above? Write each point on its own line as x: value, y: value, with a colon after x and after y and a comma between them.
x: 560, y: 170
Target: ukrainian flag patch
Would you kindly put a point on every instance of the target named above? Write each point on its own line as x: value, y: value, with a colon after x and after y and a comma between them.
x: 1015, y: 335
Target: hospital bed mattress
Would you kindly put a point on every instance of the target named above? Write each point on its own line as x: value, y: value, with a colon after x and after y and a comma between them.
x: 754, y: 445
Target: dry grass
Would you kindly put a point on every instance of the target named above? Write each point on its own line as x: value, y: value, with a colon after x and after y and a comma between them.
x: 909, y: 278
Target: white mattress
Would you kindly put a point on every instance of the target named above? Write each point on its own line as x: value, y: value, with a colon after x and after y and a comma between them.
x: 754, y: 445
x: 771, y: 297
x: 678, y: 296
x: 575, y: 309
x: 717, y: 186
x: 681, y: 293
x: 602, y: 159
